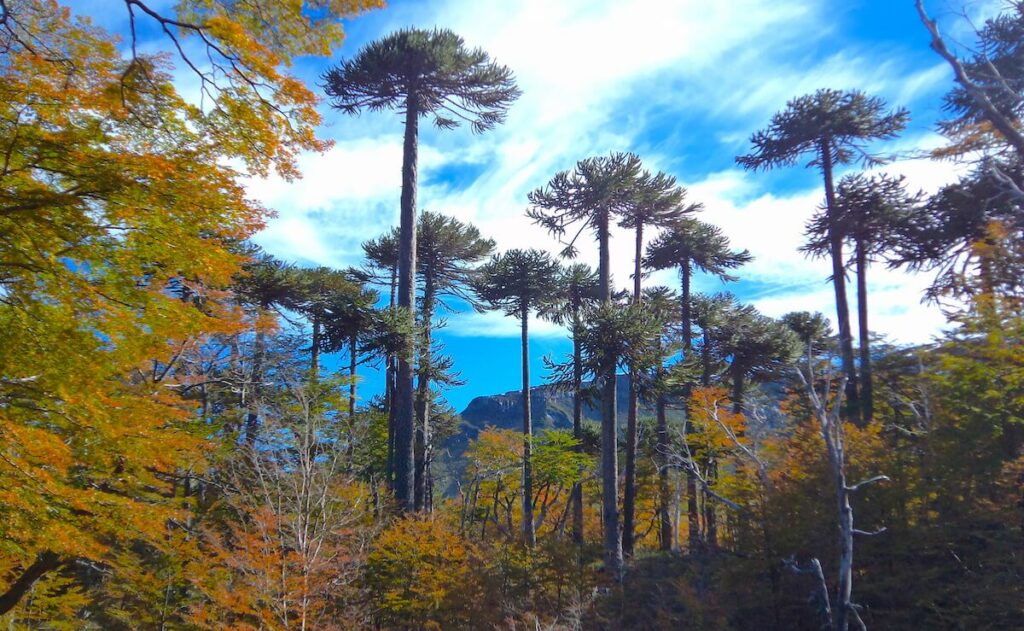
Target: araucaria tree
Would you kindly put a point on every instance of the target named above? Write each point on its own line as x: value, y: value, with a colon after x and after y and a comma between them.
x: 835, y: 127
x: 593, y: 194
x: 518, y: 282
x: 420, y: 73
x: 382, y: 268
x: 657, y: 202
x: 318, y: 287
x: 265, y: 284
x: 350, y: 320
x: 661, y: 303
x: 446, y: 251
x: 620, y: 336
x: 576, y: 291
x: 873, y: 214
x: 690, y: 245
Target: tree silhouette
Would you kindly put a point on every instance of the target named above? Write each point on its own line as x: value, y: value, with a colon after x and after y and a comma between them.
x: 318, y: 287
x: 350, y: 320
x: 382, y: 267
x: 970, y: 234
x: 873, y: 214
x: 420, y: 73
x: 989, y: 98
x: 691, y: 245
x: 757, y: 347
x: 810, y: 328
x: 518, y: 282
x: 835, y: 126
x: 591, y: 195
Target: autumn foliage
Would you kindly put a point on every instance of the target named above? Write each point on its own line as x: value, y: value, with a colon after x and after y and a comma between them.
x: 177, y: 450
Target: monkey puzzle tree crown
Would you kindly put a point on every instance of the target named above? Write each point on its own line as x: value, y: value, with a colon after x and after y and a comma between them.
x: 446, y: 250
x: 874, y: 212
x: 844, y: 121
x: 434, y: 69
x: 657, y: 200
x: 576, y: 288
x: 517, y: 280
x: 596, y: 189
x: 697, y: 244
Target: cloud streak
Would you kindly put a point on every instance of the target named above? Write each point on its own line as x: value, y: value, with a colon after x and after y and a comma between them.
x: 682, y: 82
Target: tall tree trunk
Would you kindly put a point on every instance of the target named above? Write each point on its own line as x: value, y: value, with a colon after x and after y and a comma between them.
x: 839, y: 281
x: 577, y: 423
x: 353, y: 362
x: 632, y: 438
x: 664, y: 490
x: 529, y: 536
x: 389, y: 392
x: 866, y: 387
x: 686, y: 308
x: 314, y: 351
x: 404, y: 413
x: 692, y: 508
x: 609, y: 431
x: 44, y: 563
x: 629, y: 493
x: 252, y: 420
x: 423, y: 396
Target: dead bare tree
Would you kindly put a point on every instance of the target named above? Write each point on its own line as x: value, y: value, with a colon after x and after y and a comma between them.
x: 831, y: 428
x: 302, y: 525
x: 1008, y: 126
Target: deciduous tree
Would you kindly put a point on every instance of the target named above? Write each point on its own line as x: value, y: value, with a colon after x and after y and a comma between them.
x: 116, y: 190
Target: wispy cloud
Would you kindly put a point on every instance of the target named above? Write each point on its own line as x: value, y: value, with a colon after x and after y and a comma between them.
x: 683, y: 82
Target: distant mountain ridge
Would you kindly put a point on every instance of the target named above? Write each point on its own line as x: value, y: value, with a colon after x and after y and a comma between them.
x: 551, y: 407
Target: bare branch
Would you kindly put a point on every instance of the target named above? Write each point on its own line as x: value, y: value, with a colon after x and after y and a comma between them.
x: 977, y: 93
x: 869, y: 533
x: 877, y: 478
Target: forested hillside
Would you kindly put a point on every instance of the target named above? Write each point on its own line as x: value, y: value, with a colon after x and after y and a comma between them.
x: 189, y: 440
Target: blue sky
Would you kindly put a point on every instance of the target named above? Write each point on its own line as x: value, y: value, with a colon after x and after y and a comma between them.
x: 683, y: 83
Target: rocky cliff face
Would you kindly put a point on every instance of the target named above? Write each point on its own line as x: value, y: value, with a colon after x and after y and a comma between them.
x: 551, y: 407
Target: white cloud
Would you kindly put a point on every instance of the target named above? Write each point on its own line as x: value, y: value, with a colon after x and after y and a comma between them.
x: 496, y: 324
x: 578, y: 64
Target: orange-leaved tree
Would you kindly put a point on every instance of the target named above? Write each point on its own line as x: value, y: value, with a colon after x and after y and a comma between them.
x: 117, y: 219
